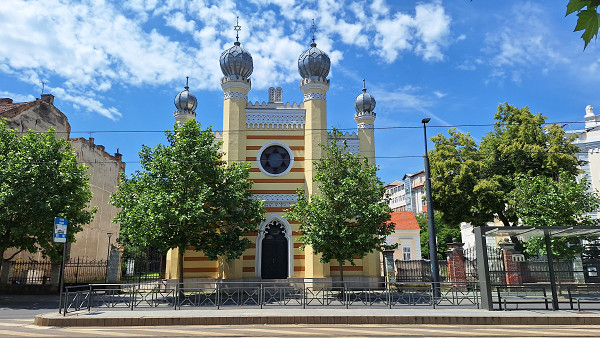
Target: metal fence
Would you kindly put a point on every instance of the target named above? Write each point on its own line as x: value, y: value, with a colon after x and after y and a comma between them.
x: 419, y: 270
x: 303, y: 294
x: 76, y: 271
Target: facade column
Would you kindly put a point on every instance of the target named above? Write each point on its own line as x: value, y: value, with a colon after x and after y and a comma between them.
x: 235, y: 91
x: 315, y: 133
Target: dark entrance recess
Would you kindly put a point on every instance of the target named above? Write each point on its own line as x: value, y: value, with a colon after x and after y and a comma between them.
x: 274, y: 262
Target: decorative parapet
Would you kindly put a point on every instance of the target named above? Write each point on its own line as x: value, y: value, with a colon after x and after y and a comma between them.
x: 236, y: 81
x: 283, y: 119
x: 362, y: 126
x: 235, y: 95
x: 315, y: 82
x: 315, y: 96
x: 352, y: 142
x: 276, y: 200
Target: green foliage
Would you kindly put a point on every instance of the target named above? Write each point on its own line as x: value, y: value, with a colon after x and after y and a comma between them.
x: 40, y: 179
x: 545, y: 201
x: 482, y: 177
x: 588, y: 19
x: 187, y: 195
x: 444, y: 232
x: 347, y: 218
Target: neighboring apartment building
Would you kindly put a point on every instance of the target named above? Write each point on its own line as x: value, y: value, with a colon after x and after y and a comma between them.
x: 104, y: 170
x: 588, y: 141
x: 408, y: 194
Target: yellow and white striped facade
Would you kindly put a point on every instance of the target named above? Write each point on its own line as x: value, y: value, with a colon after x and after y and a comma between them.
x: 300, y: 128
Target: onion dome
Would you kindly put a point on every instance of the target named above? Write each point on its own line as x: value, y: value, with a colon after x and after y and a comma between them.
x: 313, y: 62
x: 236, y: 60
x: 365, y: 102
x: 185, y: 101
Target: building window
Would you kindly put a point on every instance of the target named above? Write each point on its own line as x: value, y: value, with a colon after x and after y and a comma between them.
x: 275, y: 159
x: 406, y: 253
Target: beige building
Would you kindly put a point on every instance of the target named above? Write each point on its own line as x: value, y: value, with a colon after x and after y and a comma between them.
x: 280, y: 141
x: 104, y: 169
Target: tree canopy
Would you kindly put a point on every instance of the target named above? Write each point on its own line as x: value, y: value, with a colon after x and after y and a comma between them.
x: 186, y: 195
x: 545, y: 201
x: 445, y: 233
x: 39, y: 179
x: 347, y: 218
x: 472, y: 183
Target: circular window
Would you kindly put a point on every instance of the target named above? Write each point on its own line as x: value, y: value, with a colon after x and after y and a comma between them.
x: 275, y: 159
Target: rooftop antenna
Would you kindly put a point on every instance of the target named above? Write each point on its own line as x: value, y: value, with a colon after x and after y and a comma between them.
x: 43, y: 85
x: 187, y: 78
x: 313, y: 30
x: 237, y: 28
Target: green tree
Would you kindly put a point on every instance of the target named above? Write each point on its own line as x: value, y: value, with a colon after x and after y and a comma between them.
x: 473, y: 183
x: 347, y: 218
x: 39, y: 179
x: 186, y: 195
x: 445, y: 233
x: 545, y: 201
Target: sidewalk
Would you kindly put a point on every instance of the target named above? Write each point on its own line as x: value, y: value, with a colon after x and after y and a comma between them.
x: 256, y: 316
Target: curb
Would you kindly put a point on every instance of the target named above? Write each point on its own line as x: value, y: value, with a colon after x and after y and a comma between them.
x: 79, y: 321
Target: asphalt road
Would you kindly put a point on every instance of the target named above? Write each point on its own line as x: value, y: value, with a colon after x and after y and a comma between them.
x: 26, y: 306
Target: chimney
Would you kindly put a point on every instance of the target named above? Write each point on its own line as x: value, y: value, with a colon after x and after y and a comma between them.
x: 119, y: 156
x: 48, y: 98
x: 6, y: 100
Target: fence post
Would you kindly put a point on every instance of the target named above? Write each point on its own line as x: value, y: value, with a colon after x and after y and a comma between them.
x: 456, y: 263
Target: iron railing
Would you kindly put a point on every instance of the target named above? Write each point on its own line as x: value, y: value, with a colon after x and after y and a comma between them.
x: 300, y: 294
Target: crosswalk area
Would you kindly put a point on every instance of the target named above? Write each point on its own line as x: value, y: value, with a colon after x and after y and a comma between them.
x: 25, y: 328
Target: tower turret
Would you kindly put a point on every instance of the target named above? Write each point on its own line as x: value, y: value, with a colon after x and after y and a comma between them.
x: 186, y: 104
x: 365, y: 120
x: 237, y: 66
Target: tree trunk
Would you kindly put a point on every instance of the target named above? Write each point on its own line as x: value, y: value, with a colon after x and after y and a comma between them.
x: 503, y: 218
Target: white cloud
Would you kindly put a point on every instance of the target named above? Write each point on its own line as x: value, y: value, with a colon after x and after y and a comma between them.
x: 523, y: 41
x: 97, y: 46
x: 17, y: 97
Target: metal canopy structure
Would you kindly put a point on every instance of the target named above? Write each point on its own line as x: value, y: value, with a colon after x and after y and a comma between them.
x: 560, y: 231
x: 546, y: 232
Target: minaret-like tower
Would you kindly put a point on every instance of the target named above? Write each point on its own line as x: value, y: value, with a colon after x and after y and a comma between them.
x: 313, y: 66
x: 365, y: 120
x: 186, y: 104
x: 237, y: 66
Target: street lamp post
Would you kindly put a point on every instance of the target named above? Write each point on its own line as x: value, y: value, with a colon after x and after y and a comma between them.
x: 109, y: 234
x: 435, y: 273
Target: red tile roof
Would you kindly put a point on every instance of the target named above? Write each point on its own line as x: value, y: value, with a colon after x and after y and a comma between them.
x: 405, y: 220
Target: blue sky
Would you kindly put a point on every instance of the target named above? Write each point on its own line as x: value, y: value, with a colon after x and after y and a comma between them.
x: 116, y: 66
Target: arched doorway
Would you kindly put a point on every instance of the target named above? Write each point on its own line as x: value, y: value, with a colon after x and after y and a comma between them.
x: 274, y: 251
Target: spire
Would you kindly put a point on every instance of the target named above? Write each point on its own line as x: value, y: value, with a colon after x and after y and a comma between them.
x: 364, y: 86
x: 187, y: 78
x: 237, y: 28
x: 313, y: 30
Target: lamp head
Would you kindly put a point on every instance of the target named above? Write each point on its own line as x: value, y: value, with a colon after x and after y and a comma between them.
x: 109, y: 234
x: 426, y: 120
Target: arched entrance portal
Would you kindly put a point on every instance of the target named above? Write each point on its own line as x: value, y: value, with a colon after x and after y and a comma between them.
x: 274, y: 251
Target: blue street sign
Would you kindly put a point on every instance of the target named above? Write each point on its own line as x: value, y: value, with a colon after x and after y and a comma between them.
x: 60, y: 229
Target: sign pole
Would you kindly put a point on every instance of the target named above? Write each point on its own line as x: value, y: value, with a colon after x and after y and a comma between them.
x: 62, y: 277
x: 60, y: 236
